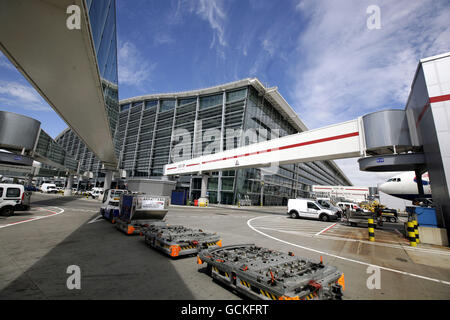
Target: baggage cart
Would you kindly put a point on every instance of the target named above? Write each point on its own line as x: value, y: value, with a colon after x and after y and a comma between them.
x: 261, y: 273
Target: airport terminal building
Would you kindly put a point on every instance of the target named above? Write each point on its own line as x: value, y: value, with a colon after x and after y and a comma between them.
x: 214, y: 119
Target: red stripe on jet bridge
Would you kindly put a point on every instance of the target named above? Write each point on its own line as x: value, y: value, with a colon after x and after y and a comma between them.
x: 342, y: 136
x: 171, y: 168
x: 192, y: 164
x: 358, y: 189
x: 445, y: 97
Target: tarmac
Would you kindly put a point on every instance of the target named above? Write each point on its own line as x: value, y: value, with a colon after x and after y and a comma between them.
x: 40, y: 245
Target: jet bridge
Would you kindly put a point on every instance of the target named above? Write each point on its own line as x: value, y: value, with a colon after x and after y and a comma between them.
x: 413, y: 139
x: 344, y: 140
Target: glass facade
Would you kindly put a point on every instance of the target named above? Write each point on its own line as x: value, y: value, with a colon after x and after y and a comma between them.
x: 228, y: 118
x: 102, y: 18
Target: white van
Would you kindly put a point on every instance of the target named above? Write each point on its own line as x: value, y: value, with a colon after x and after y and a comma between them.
x: 327, y: 204
x: 309, y: 208
x: 13, y: 197
x: 49, y: 188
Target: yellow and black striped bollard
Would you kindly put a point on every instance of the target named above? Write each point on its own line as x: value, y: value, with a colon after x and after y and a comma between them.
x: 371, y: 226
x: 416, y: 230
x: 411, y: 234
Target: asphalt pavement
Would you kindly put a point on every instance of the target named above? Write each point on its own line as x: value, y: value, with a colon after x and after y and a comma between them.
x: 40, y: 246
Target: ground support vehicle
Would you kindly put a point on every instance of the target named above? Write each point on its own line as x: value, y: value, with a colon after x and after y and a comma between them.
x: 110, y: 204
x: 265, y: 274
x: 13, y: 197
x: 358, y: 218
x: 310, y: 208
x: 138, y: 211
x: 179, y: 240
x: 389, y: 215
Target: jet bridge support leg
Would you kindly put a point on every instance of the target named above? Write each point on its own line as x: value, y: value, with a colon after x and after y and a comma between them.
x: 419, y: 183
x: 204, y: 186
x: 68, y: 190
x: 108, y: 179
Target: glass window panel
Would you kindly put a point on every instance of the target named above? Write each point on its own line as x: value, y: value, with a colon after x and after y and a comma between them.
x: 210, y: 101
x: 125, y: 107
x: 137, y: 104
x: 186, y: 101
x: 167, y: 104
x: 150, y: 104
x: 236, y: 95
x: 97, y: 16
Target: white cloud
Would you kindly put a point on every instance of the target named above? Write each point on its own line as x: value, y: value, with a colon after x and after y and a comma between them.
x: 345, y: 70
x: 269, y: 47
x: 25, y: 97
x: 4, y: 63
x: 213, y: 12
x: 134, y: 70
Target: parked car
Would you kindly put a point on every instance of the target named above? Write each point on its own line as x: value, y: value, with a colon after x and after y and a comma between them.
x: 353, y: 206
x: 48, y: 188
x: 13, y: 197
x: 309, y: 208
x: 31, y: 188
x: 96, y: 192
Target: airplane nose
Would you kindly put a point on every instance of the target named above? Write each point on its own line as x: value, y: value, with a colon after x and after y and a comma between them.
x: 381, y: 187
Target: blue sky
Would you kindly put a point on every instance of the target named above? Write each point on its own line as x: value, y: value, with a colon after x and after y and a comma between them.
x: 320, y: 54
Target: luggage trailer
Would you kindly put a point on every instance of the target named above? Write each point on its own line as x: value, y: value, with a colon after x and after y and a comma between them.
x: 264, y: 274
x: 179, y: 240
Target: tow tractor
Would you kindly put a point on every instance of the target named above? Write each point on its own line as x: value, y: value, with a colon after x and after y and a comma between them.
x: 110, y: 205
x: 265, y: 274
x: 179, y: 240
x: 387, y: 215
x: 138, y: 211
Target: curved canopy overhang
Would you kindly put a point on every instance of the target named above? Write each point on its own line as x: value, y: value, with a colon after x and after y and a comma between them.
x: 61, y: 65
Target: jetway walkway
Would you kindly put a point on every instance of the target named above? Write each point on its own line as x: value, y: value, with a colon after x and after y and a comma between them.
x: 26, y: 143
x: 344, y: 140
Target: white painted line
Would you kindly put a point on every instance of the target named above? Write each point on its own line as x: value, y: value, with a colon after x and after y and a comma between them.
x: 343, y: 258
x: 325, y: 229
x: 395, y: 246
x: 53, y: 213
x: 95, y: 219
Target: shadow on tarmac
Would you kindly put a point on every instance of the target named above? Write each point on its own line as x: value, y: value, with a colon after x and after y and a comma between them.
x: 54, y: 201
x: 118, y: 267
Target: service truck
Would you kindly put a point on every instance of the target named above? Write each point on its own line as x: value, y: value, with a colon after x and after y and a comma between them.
x: 110, y: 204
x: 138, y: 211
